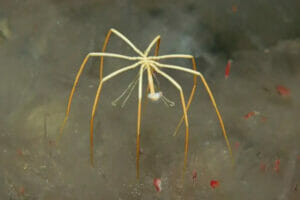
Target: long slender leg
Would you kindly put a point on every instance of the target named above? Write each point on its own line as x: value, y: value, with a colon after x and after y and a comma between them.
x: 157, y: 40
x: 103, y: 50
x: 127, y: 41
x: 129, y: 89
x: 96, y: 103
x: 138, y: 129
x: 191, y: 96
x: 120, y: 35
x: 170, y: 56
x: 78, y: 76
x: 210, y: 96
x: 184, y: 112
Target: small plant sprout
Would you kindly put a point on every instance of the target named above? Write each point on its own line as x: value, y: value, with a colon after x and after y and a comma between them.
x: 152, y: 67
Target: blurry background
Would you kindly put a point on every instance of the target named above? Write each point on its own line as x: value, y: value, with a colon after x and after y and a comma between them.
x: 42, y: 44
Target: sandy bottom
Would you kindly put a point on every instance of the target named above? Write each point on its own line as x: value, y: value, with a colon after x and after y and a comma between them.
x: 41, y: 49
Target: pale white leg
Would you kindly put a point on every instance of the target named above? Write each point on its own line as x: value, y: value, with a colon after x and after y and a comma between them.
x: 127, y: 41
x: 170, y: 56
x: 157, y: 38
x: 129, y: 88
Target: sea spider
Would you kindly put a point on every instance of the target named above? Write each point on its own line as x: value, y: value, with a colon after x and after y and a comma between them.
x: 151, y: 65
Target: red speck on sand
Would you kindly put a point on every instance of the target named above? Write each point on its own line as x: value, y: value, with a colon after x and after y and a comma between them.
x: 250, y: 114
x: 51, y: 142
x: 157, y: 184
x: 234, y: 8
x: 263, y: 167
x: 22, y: 191
x: 214, y: 183
x: 227, y: 69
x: 263, y: 119
x: 236, y: 145
x: 299, y: 157
x: 20, y: 152
x: 282, y: 90
x: 194, y: 177
x: 276, y: 166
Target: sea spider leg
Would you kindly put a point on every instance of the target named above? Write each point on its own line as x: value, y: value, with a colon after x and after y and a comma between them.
x: 191, y: 96
x: 212, y: 99
x: 194, y: 84
x: 106, y: 78
x: 184, y: 110
x: 79, y: 74
x: 138, y: 129
x: 120, y: 35
x: 129, y: 88
x: 157, y: 41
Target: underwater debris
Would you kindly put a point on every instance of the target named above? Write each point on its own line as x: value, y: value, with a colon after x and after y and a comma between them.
x: 234, y: 8
x: 194, y: 176
x: 282, y: 90
x: 276, y: 165
x: 21, y: 191
x: 250, y: 114
x: 157, y: 184
x: 227, y: 69
x: 263, y: 119
x: 263, y: 167
x: 214, y: 184
x: 20, y: 152
x: 236, y: 145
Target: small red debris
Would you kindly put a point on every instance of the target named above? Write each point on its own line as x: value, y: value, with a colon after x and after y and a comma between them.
x: 282, y: 90
x: 263, y: 167
x: 157, y: 184
x: 263, y: 119
x: 234, y: 8
x: 236, y: 145
x: 227, y: 69
x: 22, y: 191
x: 299, y: 157
x: 276, y: 166
x: 194, y: 177
x: 51, y: 142
x: 20, y: 152
x: 250, y: 114
x: 214, y: 183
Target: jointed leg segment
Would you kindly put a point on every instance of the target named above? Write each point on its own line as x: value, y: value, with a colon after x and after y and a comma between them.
x: 138, y: 129
x: 96, y: 103
x: 210, y: 96
x: 78, y: 76
x: 120, y: 35
x: 190, y: 98
x: 184, y: 111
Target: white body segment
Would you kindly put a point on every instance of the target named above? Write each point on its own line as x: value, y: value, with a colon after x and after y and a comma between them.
x: 155, y: 96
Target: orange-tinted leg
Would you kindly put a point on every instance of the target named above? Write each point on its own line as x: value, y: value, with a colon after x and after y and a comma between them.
x: 190, y: 98
x: 92, y: 123
x: 138, y: 129
x: 148, y: 87
x: 103, y: 50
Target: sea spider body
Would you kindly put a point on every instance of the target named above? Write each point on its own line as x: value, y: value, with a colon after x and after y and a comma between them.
x: 152, y: 66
